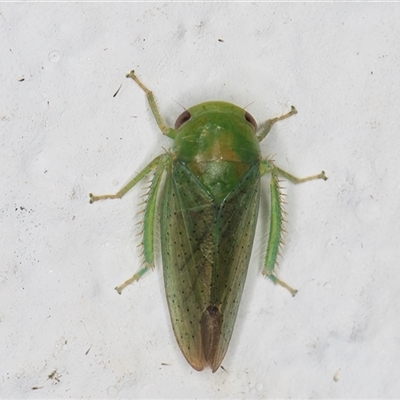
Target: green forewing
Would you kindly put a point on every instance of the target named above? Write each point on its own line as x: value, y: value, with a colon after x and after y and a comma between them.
x: 206, y: 247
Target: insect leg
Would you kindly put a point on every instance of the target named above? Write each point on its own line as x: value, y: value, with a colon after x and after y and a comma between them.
x: 296, y: 180
x: 276, y: 219
x: 269, y: 123
x: 149, y: 216
x: 129, y: 185
x: 148, y: 224
x: 166, y: 130
x: 275, y: 233
x: 150, y: 213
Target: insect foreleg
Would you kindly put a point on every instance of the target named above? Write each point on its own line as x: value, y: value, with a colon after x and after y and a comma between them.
x: 267, y: 126
x: 166, y: 130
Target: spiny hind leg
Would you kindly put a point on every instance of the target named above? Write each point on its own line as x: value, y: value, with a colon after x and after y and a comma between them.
x: 277, y: 218
x: 148, y: 224
x: 275, y: 234
x: 159, y: 163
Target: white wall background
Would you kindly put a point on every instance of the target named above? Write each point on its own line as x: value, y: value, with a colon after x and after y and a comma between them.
x: 63, y: 135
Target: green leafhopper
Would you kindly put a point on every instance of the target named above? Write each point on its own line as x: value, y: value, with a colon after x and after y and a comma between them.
x: 208, y: 208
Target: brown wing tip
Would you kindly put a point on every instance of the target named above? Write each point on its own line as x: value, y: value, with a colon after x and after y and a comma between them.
x: 208, y: 351
x: 211, y: 328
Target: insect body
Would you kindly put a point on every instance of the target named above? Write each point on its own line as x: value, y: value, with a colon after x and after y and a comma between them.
x: 208, y: 214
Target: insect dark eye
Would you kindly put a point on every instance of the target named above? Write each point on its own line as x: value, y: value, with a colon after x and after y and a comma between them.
x: 249, y: 118
x: 184, y: 117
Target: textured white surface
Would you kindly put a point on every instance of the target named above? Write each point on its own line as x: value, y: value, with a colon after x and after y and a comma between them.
x: 63, y: 135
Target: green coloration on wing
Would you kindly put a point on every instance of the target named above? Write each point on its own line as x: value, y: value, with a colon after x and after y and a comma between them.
x: 206, y: 247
